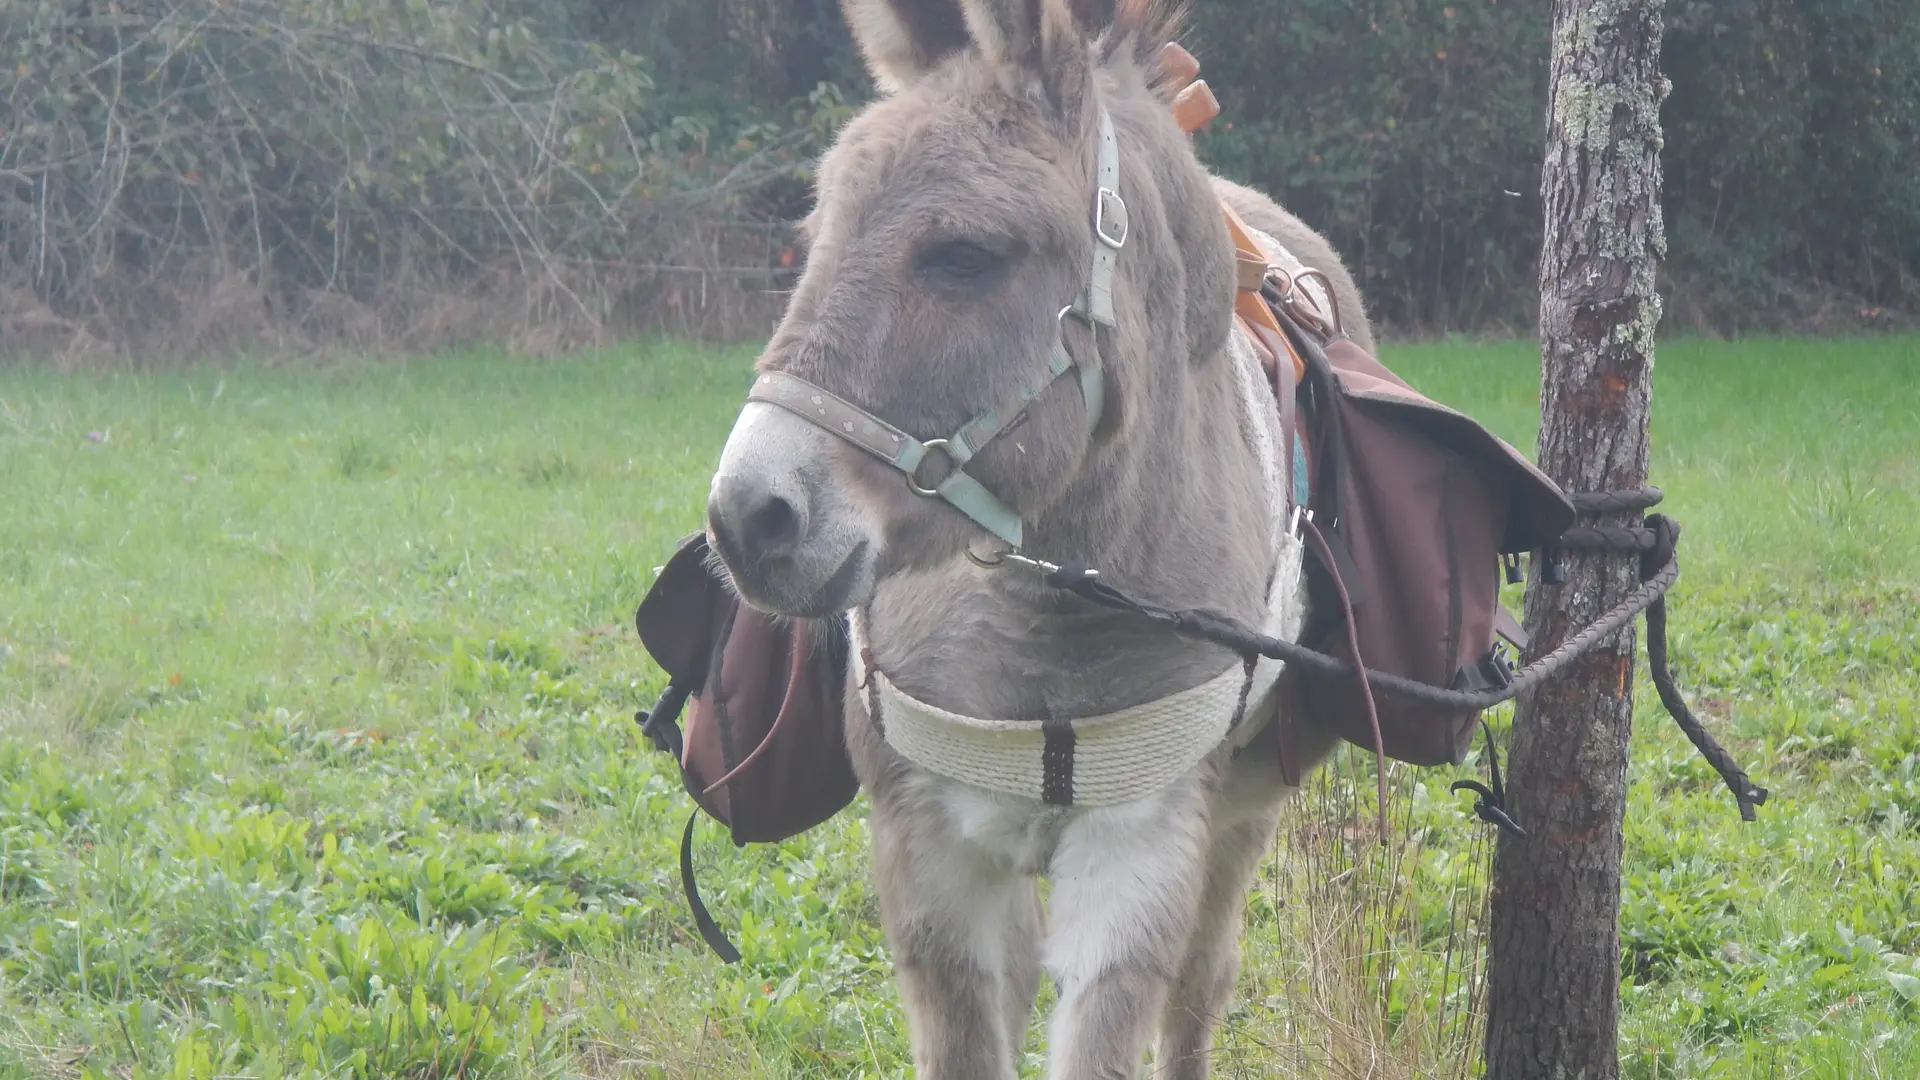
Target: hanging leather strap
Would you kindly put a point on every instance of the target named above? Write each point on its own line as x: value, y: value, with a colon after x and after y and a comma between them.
x: 1319, y: 543
x: 710, y: 931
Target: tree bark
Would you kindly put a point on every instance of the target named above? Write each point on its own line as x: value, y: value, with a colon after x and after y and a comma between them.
x: 1554, y: 956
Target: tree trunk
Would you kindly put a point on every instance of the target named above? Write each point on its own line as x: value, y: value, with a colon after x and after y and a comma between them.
x: 1554, y: 956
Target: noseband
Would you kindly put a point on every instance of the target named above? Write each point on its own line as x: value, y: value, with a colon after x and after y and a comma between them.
x: 908, y: 454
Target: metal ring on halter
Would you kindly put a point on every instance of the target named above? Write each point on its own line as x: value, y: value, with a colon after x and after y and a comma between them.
x: 913, y: 484
x: 1075, y: 312
x: 985, y: 563
x: 1009, y: 555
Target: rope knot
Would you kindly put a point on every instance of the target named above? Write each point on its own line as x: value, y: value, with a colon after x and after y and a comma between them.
x: 1666, y: 537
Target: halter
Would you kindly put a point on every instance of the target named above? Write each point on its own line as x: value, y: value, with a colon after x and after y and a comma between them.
x: 907, y: 454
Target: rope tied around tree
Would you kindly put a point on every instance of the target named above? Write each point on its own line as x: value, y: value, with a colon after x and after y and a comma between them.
x: 1655, y: 541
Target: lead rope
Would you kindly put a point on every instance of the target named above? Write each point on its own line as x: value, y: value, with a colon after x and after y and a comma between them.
x: 1654, y: 541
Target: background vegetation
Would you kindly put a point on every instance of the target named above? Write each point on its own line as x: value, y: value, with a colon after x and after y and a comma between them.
x: 317, y: 754
x: 186, y: 175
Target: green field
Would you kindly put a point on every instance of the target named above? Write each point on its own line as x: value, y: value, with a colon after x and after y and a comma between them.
x: 316, y: 750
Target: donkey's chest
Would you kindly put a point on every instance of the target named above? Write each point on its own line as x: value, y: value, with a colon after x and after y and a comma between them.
x: 1011, y: 832
x: 1014, y: 835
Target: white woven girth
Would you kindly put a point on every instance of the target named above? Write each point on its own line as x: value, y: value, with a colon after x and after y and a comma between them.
x: 1125, y: 755
x: 1117, y: 757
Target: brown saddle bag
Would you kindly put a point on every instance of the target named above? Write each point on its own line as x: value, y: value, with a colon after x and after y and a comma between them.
x: 1415, y: 509
x: 763, y: 748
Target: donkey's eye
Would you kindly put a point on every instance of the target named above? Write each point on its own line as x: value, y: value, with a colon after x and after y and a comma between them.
x: 959, y: 261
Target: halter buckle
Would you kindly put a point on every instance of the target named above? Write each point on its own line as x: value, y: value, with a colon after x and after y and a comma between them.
x: 1110, y: 218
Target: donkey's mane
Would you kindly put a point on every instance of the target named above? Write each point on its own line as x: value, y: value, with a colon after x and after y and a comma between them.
x: 1135, y: 35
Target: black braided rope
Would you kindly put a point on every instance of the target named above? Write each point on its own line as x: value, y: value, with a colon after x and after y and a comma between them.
x: 1222, y: 630
x: 1654, y: 542
x: 1745, y: 792
x: 1622, y: 538
x: 1606, y: 538
x: 1615, y: 502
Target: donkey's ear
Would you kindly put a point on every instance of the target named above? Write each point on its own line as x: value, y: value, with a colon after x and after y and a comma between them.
x: 903, y: 39
x: 1037, y: 41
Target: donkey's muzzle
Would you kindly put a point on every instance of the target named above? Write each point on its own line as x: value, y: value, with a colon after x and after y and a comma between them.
x: 754, y: 517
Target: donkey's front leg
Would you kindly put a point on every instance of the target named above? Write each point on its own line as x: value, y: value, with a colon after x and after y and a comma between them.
x: 964, y: 930
x: 1126, y: 884
x: 1205, y: 987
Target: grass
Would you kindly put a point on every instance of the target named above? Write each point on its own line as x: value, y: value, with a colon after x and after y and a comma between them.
x: 316, y: 751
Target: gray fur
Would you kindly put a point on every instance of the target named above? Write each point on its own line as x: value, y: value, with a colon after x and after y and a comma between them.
x: 995, y: 144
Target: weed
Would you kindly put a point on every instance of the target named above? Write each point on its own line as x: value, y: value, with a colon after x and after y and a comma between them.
x: 360, y: 457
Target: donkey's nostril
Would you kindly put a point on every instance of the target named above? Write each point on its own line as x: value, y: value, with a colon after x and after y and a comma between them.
x: 753, y: 518
x: 773, y: 526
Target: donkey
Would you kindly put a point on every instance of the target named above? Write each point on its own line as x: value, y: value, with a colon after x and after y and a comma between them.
x: 1018, y: 205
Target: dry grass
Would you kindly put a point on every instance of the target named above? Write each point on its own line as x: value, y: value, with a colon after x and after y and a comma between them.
x: 201, y: 312
x: 1372, y: 959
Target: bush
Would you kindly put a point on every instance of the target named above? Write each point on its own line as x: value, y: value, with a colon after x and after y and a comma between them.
x: 214, y: 174
x: 1410, y: 131
x: 226, y: 173
x: 1793, y: 161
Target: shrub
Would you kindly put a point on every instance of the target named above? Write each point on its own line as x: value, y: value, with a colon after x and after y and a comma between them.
x: 232, y: 172
x: 218, y: 174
